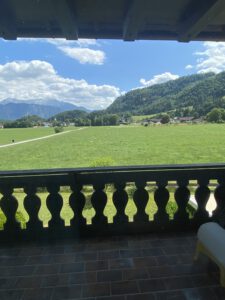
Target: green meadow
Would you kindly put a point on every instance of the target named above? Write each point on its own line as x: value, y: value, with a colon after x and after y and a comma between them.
x: 120, y: 145
x: 141, y: 117
x: 21, y: 134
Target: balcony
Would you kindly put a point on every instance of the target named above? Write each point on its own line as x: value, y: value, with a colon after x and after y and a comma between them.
x: 108, y: 233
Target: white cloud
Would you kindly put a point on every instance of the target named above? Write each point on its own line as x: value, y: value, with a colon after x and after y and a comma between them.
x: 78, y: 50
x: 161, y: 78
x: 24, y: 70
x: 80, y: 42
x: 212, y: 58
x: 87, y: 42
x: 85, y: 55
x: 189, y: 67
x: 61, y: 42
x: 35, y: 80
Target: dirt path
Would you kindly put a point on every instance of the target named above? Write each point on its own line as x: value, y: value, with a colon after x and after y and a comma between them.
x: 40, y: 138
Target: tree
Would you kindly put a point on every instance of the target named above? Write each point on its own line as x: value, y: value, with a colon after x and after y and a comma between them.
x: 58, y: 129
x: 223, y: 114
x: 165, y: 119
x: 215, y: 116
x: 110, y: 119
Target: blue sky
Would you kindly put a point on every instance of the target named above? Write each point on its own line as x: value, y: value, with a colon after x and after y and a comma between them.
x: 92, y: 73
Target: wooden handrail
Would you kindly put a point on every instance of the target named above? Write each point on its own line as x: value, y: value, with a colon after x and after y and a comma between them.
x: 77, y: 180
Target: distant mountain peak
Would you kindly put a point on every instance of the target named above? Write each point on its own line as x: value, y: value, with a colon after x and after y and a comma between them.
x: 49, y: 102
x: 12, y: 109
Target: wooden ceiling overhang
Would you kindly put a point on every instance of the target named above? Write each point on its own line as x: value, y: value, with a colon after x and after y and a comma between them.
x: 180, y: 20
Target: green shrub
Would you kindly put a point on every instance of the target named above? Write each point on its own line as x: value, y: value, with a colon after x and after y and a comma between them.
x: 102, y: 162
x: 58, y: 129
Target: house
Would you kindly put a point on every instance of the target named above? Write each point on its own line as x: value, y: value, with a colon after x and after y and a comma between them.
x: 47, y: 124
x: 155, y: 121
x: 185, y: 119
x: 198, y: 121
x: 143, y: 259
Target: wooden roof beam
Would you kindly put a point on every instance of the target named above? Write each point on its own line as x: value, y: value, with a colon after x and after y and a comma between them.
x: 8, y: 28
x: 200, y: 18
x: 134, y: 19
x: 66, y: 13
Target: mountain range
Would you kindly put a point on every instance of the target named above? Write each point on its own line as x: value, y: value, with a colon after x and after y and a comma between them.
x: 12, y: 109
x: 198, y: 92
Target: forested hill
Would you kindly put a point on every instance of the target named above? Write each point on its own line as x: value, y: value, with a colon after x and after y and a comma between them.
x: 69, y: 115
x: 200, y: 92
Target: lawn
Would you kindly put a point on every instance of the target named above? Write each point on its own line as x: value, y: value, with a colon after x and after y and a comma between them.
x: 22, y: 134
x: 142, y: 117
x: 124, y: 145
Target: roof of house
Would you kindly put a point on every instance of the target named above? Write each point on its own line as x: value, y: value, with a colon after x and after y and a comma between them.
x: 182, y: 20
x: 186, y: 118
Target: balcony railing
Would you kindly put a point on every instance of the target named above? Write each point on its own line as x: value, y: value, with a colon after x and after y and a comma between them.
x: 33, y: 202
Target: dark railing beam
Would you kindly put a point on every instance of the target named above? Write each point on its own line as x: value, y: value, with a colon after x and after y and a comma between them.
x: 95, y: 188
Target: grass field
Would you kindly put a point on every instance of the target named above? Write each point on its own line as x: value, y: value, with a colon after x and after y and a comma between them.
x: 118, y: 146
x: 142, y: 117
x: 97, y: 146
x: 21, y: 134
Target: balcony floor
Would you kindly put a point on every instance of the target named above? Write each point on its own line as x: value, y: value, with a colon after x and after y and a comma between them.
x: 157, y: 266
